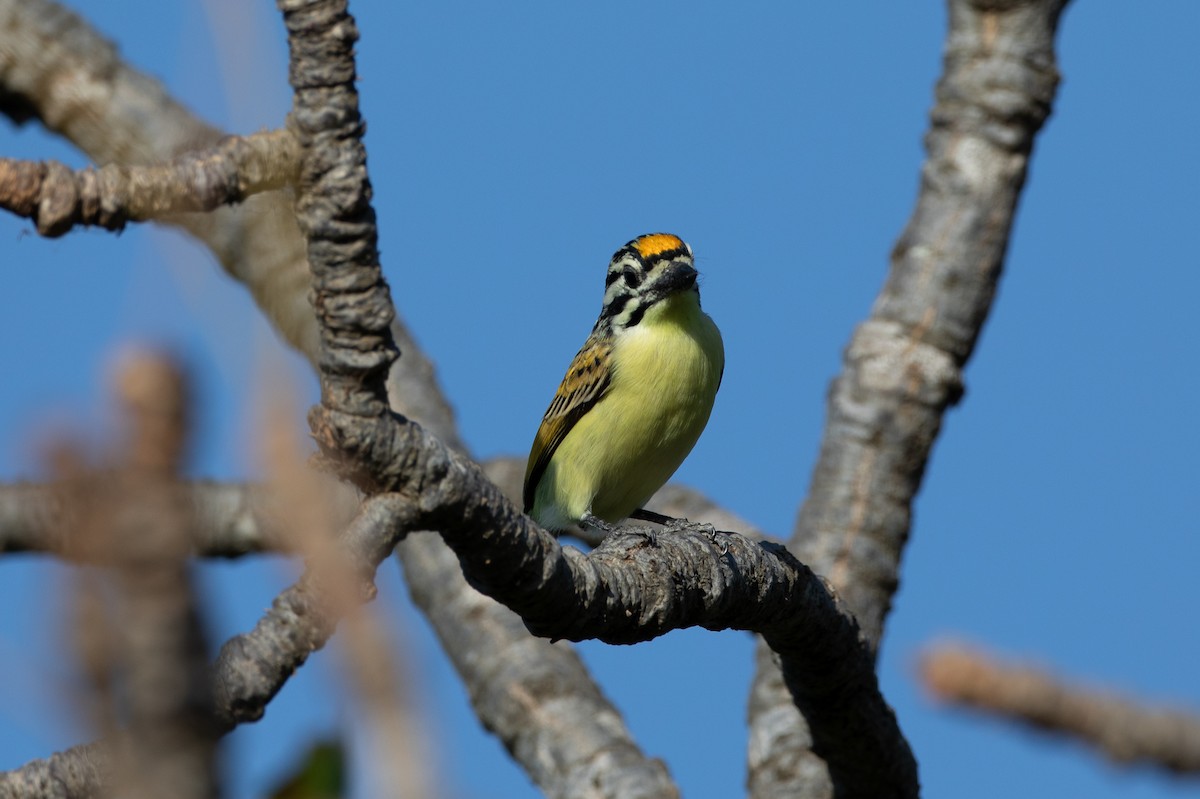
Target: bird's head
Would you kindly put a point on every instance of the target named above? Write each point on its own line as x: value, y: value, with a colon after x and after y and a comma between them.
x: 643, y: 273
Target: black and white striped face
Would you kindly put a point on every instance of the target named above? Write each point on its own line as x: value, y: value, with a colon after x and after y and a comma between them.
x: 645, y: 271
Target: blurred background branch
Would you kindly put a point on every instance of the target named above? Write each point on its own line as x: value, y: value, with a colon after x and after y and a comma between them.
x: 1122, y: 729
x: 228, y: 520
x: 137, y: 628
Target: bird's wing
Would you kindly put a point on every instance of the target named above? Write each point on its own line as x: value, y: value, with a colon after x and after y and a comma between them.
x: 586, y: 382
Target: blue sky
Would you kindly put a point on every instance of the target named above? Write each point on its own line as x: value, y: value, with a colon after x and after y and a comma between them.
x: 512, y: 149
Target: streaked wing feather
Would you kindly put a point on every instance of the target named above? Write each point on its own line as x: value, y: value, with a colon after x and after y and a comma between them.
x: 586, y: 382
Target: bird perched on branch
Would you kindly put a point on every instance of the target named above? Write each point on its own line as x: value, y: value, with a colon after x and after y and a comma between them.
x: 635, y: 399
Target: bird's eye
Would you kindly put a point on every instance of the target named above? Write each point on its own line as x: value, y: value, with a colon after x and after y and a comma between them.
x: 633, y: 278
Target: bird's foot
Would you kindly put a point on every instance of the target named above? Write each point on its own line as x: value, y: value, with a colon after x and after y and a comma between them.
x: 597, y: 524
x: 674, y: 525
x: 605, y: 529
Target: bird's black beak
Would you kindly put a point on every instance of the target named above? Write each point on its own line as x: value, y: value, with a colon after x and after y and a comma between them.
x: 675, y: 277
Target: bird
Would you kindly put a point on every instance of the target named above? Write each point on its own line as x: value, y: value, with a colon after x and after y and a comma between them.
x: 635, y: 398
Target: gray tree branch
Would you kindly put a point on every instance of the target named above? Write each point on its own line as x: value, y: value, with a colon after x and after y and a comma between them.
x: 76, y: 773
x: 1123, y: 730
x: 57, y: 198
x: 903, y: 366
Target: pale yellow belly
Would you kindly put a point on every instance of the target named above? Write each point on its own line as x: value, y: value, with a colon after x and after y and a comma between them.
x: 625, y: 448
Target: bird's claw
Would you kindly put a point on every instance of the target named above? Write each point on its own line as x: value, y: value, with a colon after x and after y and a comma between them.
x: 705, y: 529
x: 646, y: 533
x: 715, y: 536
x: 597, y: 524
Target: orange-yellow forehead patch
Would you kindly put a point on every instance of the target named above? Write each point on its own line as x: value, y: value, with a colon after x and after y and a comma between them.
x: 655, y: 243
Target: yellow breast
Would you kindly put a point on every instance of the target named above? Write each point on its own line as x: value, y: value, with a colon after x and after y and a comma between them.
x: 665, y: 375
